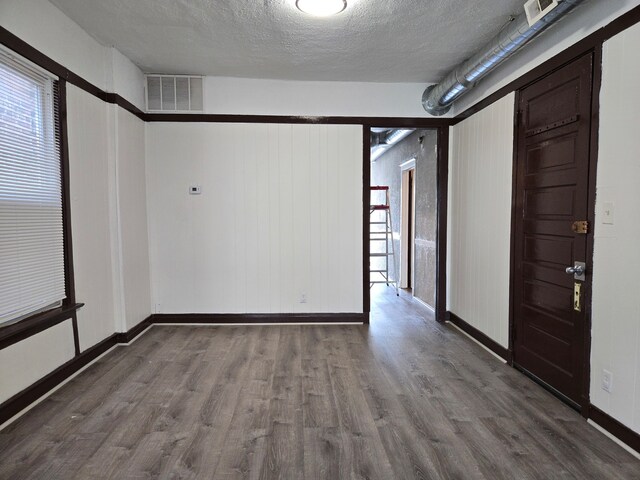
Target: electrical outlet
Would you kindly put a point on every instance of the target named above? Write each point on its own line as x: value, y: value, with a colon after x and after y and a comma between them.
x: 607, y: 381
x: 303, y: 298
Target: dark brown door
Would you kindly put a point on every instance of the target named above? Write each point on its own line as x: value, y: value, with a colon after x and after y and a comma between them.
x: 554, y: 129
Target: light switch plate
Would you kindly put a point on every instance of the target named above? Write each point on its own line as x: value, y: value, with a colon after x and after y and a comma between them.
x: 195, y: 190
x: 607, y: 213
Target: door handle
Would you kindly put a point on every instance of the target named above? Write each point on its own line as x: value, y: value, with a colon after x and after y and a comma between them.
x: 575, y: 270
x: 578, y: 270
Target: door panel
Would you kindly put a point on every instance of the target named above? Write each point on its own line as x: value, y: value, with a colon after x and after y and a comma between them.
x: 552, y: 175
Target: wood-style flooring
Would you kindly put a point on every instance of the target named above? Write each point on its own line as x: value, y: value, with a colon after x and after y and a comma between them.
x: 402, y: 398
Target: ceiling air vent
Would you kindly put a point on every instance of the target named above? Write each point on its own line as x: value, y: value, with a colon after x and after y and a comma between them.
x: 175, y: 93
x: 537, y: 9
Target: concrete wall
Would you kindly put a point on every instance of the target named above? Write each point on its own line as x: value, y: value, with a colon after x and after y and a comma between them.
x: 386, y: 171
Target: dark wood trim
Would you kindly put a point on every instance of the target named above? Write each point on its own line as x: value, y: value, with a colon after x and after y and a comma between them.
x: 69, y: 275
x: 590, y: 42
x: 491, y: 344
x: 26, y: 397
x: 615, y: 428
x: 28, y: 327
x: 69, y: 271
x: 366, y: 218
x: 126, y: 337
x: 512, y: 229
x: 441, y: 231
x: 392, y: 122
x: 34, y: 324
x: 22, y: 48
x: 591, y: 218
x: 126, y: 104
x: 257, y: 318
x: 593, y: 40
x: 556, y: 393
x: 34, y: 392
x: 621, y: 23
x: 76, y: 335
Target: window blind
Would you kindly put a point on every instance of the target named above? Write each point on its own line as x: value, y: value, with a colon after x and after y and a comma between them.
x: 31, y: 225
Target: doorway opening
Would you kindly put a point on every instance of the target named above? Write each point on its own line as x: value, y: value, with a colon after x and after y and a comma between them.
x: 404, y: 168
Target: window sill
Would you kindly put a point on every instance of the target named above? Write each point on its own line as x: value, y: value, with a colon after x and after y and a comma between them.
x: 30, y: 326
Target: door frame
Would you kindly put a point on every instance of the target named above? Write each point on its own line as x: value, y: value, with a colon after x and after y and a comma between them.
x: 441, y: 126
x: 596, y: 53
x: 407, y: 222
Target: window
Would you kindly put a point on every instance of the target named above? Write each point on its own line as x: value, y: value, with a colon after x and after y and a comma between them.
x: 32, y: 260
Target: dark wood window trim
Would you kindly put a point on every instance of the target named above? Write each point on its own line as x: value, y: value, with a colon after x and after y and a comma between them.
x: 61, y: 106
x: 33, y: 324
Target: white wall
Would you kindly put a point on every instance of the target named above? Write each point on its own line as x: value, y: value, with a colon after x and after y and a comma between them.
x: 89, y: 166
x: 132, y: 215
x: 588, y: 18
x: 45, y: 27
x: 247, y: 96
x: 280, y: 215
x: 22, y: 364
x: 480, y: 173
x: 127, y: 79
x: 109, y: 232
x: 616, y: 312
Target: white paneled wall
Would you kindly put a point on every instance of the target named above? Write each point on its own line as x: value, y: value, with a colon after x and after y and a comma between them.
x: 279, y: 217
x: 110, y: 241
x: 132, y: 219
x: 616, y: 311
x: 91, y: 216
x: 480, y: 176
x: 23, y: 363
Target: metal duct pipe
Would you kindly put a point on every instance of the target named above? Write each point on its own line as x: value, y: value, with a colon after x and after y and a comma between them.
x: 437, y: 99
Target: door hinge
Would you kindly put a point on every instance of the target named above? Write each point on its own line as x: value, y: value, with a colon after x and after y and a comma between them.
x: 581, y: 226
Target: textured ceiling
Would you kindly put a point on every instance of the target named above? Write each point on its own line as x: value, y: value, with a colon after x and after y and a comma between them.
x: 372, y: 40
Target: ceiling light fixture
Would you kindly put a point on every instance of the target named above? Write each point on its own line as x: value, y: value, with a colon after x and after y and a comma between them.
x: 321, y: 8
